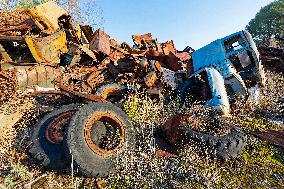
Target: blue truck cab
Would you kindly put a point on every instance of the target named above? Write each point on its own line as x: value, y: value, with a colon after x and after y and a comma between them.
x: 232, y: 67
x: 236, y: 58
x: 207, y: 86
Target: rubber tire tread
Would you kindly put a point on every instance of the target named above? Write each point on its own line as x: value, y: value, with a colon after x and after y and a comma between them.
x: 223, y: 147
x: 86, y: 162
x: 51, y: 156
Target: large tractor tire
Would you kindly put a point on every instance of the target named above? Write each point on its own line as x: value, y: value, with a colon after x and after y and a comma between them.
x: 223, y: 147
x: 47, y: 144
x: 97, y: 133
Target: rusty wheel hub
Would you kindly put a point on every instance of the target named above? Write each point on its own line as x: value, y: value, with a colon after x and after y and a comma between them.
x: 55, y: 130
x: 104, y: 134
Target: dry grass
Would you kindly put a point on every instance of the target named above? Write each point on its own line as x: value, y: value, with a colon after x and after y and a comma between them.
x: 260, y: 166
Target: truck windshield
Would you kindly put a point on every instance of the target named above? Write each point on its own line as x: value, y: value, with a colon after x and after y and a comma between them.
x: 234, y: 43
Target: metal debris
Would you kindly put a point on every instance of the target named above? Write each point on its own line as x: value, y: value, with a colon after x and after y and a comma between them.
x: 44, y: 51
x: 275, y: 137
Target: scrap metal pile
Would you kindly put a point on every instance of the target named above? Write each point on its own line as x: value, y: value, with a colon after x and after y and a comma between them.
x: 42, y: 51
x: 46, y: 49
x: 272, y: 55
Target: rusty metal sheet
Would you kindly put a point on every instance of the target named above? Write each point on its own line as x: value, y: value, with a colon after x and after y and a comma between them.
x: 46, y: 16
x: 116, y: 55
x: 145, y: 41
x: 41, y: 76
x: 171, y: 128
x: 171, y: 62
x: 100, y: 75
x: 100, y: 42
x: 9, y: 18
x: 140, y: 40
x: 169, y: 47
x: 126, y: 66
x: 88, y: 32
x: 22, y: 27
x: 11, y: 38
x: 69, y: 88
x: 114, y: 43
x: 48, y: 49
x: 183, y: 56
x: 151, y: 79
x: 96, y: 78
x: 275, y: 137
x: 30, y: 76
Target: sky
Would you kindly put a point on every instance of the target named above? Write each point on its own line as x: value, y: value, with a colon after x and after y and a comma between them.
x: 192, y: 23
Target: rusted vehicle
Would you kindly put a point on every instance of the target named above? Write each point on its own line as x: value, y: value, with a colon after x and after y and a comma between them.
x: 237, y: 59
x: 224, y: 71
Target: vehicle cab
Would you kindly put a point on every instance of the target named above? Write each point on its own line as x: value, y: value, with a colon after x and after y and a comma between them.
x: 236, y: 58
x: 206, y: 86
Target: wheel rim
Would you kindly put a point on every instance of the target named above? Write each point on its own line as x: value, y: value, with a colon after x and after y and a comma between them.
x: 104, y: 134
x: 54, y: 132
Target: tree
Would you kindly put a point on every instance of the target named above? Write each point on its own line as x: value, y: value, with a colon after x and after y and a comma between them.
x: 82, y: 11
x: 268, y: 22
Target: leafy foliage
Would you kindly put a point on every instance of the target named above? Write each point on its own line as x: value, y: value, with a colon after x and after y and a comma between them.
x: 11, y: 4
x: 268, y: 22
x: 83, y: 12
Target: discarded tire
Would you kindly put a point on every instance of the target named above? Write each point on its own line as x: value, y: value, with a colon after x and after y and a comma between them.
x: 112, y: 92
x: 223, y: 147
x: 47, y: 145
x: 98, y: 132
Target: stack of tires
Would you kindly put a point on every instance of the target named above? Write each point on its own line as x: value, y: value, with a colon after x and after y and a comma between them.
x: 91, y: 135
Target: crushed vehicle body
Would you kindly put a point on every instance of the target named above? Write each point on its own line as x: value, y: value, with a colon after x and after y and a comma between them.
x: 237, y: 59
x: 207, y: 86
x: 222, y: 72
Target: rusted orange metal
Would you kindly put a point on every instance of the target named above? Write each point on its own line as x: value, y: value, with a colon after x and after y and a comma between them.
x: 48, y: 49
x: 90, y: 59
x: 169, y: 47
x: 30, y: 76
x: 151, y: 79
x: 171, y: 61
x: 171, y: 128
x: 105, y: 118
x: 275, y: 137
x: 54, y: 132
x: 46, y: 16
x: 100, y: 42
x: 100, y: 75
x: 61, y: 84
x: 140, y: 40
x: 183, y: 56
x: 22, y: 27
